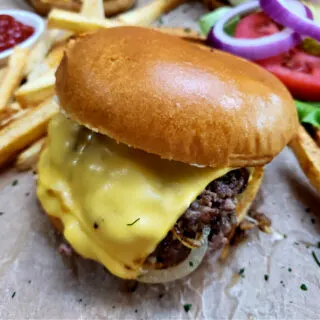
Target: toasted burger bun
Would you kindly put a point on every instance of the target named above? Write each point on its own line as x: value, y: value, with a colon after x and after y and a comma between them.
x: 169, y: 97
x: 111, y: 7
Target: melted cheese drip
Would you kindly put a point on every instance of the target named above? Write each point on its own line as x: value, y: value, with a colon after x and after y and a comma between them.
x: 116, y: 203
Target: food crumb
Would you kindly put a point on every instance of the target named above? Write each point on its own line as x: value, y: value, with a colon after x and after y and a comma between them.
x: 1, y: 213
x: 27, y: 194
x: 313, y: 220
x: 303, y: 287
x: 95, y: 226
x: 136, y: 311
x: 187, y: 307
x: 13, y: 294
x: 266, y: 277
x: 29, y: 281
x: 308, y: 210
x: 14, y: 183
x: 160, y: 295
x: 113, y: 307
x: 241, y: 272
x: 80, y: 300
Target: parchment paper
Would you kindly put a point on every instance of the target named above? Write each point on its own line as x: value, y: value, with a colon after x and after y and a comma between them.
x: 35, y: 282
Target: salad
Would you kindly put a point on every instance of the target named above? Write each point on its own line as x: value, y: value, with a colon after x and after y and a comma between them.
x: 283, y: 36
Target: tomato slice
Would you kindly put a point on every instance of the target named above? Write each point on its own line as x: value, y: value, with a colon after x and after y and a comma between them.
x: 298, y: 70
x: 256, y: 25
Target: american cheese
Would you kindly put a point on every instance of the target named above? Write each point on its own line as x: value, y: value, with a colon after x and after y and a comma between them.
x: 116, y: 203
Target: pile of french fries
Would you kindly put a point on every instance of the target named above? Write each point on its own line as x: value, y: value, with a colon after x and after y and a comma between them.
x: 26, y: 109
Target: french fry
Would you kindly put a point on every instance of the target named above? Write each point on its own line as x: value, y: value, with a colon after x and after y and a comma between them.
x: 185, y: 33
x: 93, y: 9
x: 6, y: 121
x: 21, y: 133
x: 13, y: 75
x: 3, y: 72
x: 317, y: 137
x: 144, y: 16
x: 28, y: 158
x: 77, y: 23
x: 50, y: 64
x: 308, y: 155
x: 39, y: 52
x: 9, y: 111
x: 33, y: 93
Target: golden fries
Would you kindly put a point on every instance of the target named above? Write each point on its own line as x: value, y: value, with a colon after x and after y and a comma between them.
x: 24, y: 131
x: 93, y: 9
x: 144, y: 16
x: 317, y: 137
x: 308, y: 155
x: 33, y: 93
x: 9, y: 111
x: 13, y: 75
x: 76, y: 22
x: 40, y: 51
x: 28, y: 158
x: 184, y: 33
x: 3, y: 72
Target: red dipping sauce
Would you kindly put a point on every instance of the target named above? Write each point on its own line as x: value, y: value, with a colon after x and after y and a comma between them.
x: 12, y: 32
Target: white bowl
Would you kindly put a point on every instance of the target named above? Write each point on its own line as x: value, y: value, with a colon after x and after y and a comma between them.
x: 30, y: 19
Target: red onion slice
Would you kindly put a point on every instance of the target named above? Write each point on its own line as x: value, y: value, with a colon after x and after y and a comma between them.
x: 282, y: 12
x: 252, y: 49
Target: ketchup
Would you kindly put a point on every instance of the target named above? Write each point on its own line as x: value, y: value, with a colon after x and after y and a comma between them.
x: 12, y: 32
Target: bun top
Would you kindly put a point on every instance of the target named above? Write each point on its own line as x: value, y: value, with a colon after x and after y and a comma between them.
x: 172, y: 98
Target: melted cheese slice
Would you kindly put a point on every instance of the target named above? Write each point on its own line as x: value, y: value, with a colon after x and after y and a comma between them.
x: 116, y: 203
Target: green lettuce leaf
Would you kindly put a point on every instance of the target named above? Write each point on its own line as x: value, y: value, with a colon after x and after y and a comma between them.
x: 210, y: 19
x: 309, y: 112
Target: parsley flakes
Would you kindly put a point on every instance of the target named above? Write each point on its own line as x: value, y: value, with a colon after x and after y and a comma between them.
x: 132, y: 223
x: 187, y: 307
x: 303, y: 287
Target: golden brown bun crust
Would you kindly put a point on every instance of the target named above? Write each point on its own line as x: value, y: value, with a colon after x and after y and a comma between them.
x: 111, y: 7
x: 169, y: 97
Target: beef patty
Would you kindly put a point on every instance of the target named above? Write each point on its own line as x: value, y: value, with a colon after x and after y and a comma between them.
x: 214, y: 207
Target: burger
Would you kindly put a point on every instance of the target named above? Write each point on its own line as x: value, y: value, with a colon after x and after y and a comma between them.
x: 158, y: 150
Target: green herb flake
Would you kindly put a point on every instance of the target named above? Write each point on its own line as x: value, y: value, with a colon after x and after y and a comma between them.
x: 187, y: 307
x: 266, y: 277
x: 190, y: 263
x: 13, y: 294
x: 187, y: 30
x: 318, y: 244
x: 303, y: 287
x: 1, y: 213
x: 14, y: 183
x: 161, y: 21
x: 132, y: 223
x: 241, y: 272
x: 297, y: 243
x: 136, y: 311
x: 285, y: 236
x: 289, y: 269
x: 316, y: 258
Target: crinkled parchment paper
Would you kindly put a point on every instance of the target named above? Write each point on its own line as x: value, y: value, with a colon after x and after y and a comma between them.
x: 35, y: 282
